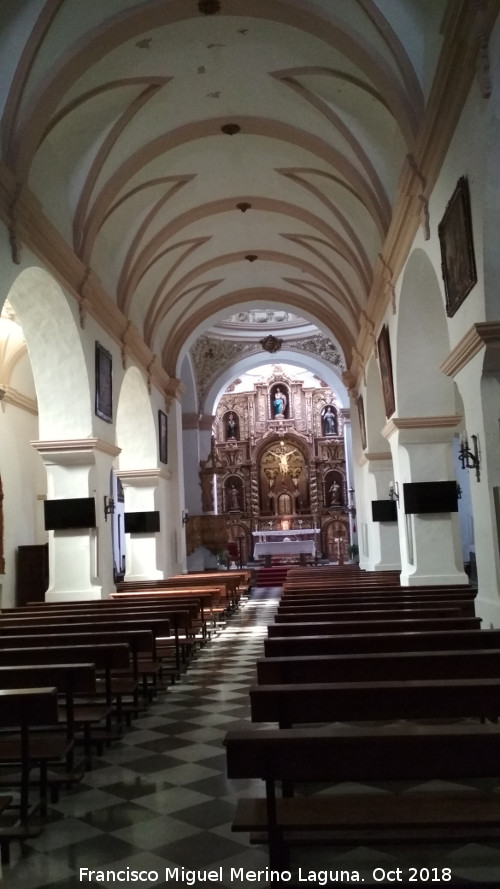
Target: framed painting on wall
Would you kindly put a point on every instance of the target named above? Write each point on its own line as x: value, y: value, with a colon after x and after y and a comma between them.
x: 163, y: 436
x: 384, y: 354
x: 457, y: 248
x: 103, y: 383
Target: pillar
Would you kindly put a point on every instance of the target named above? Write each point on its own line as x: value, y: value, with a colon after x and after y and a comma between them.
x: 382, y: 537
x: 429, y: 543
x: 80, y: 559
x: 145, y: 554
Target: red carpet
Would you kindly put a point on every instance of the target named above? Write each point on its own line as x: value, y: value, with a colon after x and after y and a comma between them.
x: 271, y: 576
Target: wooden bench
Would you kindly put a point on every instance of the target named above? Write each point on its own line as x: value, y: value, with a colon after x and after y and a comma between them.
x: 89, y: 621
x: 324, y: 613
x: 366, y: 754
x: 325, y: 601
x: 73, y: 681
x: 181, y: 617
x: 358, y: 643
x: 348, y: 627
x: 123, y: 685
x: 379, y: 666
x: 323, y: 702
x: 22, y: 711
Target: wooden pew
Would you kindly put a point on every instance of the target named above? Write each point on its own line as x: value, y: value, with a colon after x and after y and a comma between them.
x: 72, y: 681
x: 162, y: 619
x: 379, y: 666
x: 337, y: 628
x: 88, y: 622
x: 323, y: 613
x: 139, y: 641
x: 323, y: 702
x: 22, y: 711
x: 324, y: 601
x: 358, y: 643
x: 366, y: 754
x: 181, y: 614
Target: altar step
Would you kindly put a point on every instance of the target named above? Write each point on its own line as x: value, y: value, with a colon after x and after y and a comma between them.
x: 274, y: 576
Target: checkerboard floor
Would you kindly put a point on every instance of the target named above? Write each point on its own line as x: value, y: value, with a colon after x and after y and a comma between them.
x: 159, y: 798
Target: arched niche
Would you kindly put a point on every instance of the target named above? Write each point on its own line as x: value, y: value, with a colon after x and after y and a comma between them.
x: 422, y: 389
x: 60, y: 367
x: 231, y: 426
x: 136, y: 432
x: 283, y: 477
x: 279, y: 401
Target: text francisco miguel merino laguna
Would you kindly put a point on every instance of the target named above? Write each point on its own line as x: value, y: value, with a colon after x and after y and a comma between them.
x: 236, y: 874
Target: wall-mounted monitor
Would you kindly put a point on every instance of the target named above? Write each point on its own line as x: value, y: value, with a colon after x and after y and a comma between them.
x: 76, y: 512
x: 384, y: 511
x: 142, y: 522
x: 426, y: 497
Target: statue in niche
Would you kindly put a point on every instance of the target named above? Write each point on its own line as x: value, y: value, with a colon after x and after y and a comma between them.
x: 231, y: 427
x: 233, y: 498
x: 329, y: 421
x: 334, y: 492
x: 279, y: 403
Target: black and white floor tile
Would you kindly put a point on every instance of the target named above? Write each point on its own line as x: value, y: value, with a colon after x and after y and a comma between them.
x: 158, y: 801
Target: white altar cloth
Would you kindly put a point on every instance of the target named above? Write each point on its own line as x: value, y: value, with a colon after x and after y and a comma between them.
x: 284, y: 548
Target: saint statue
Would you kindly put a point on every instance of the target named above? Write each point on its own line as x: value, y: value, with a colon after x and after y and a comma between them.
x: 329, y: 421
x: 334, y: 493
x: 233, y: 498
x: 279, y: 403
x: 231, y: 427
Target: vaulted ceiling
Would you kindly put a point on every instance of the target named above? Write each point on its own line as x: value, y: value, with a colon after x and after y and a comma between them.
x: 203, y: 158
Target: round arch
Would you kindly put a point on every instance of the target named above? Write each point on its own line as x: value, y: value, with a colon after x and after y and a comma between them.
x: 422, y: 389
x: 53, y: 342
x: 135, y: 424
x: 307, y: 360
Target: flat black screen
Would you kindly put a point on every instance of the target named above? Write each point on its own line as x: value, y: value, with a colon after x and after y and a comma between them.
x: 142, y: 522
x: 77, y: 512
x: 384, y: 511
x: 425, y: 497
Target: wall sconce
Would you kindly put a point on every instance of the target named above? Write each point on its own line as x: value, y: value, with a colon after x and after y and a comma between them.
x: 185, y: 516
x: 394, y: 491
x: 469, y: 459
x: 109, y: 507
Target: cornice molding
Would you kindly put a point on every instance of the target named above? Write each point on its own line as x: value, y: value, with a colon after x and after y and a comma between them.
x: 485, y: 334
x: 397, y: 424
x: 74, y: 447
x: 377, y: 455
x: 142, y: 477
x: 23, y: 216
x: 8, y: 395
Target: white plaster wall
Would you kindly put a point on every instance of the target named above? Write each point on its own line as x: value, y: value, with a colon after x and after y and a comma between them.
x: 24, y: 484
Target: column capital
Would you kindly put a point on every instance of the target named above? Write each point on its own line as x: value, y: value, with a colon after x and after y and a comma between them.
x: 74, y: 451
x: 422, y: 429
x: 142, y: 478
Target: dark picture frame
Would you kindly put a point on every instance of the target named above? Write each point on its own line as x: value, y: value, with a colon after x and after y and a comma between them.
x: 458, y: 261
x: 385, y: 360
x: 362, y: 424
x: 163, y: 436
x: 103, y: 383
